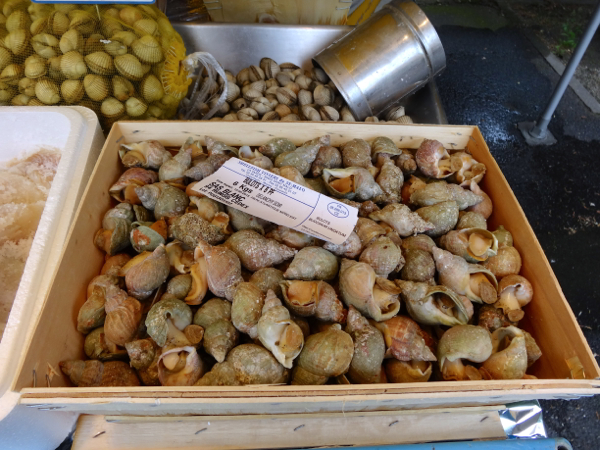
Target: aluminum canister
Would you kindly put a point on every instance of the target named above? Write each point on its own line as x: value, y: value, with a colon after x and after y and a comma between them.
x: 389, y: 56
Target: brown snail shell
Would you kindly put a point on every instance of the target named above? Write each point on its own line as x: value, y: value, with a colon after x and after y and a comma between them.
x: 98, y: 346
x: 514, y: 292
x: 93, y: 373
x: 443, y: 216
x: 373, y: 296
x: 96, y: 87
x: 407, y: 372
x: 467, y: 342
x: 508, y: 360
x: 326, y: 354
x: 257, y: 252
x: 312, y: 263
x: 166, y: 321
x: 112, y: 266
x: 506, y: 262
x: 172, y: 373
x: 224, y: 270
x: 471, y: 280
x: 405, y: 339
x: 123, y: 316
x: 246, y: 364
x: 350, y: 248
x: 369, y: 349
x: 403, y: 220
x: 419, y: 265
x: 383, y: 256
x: 433, y: 159
x: 313, y: 298
x: 246, y: 308
x: 146, y: 272
x: 278, y: 332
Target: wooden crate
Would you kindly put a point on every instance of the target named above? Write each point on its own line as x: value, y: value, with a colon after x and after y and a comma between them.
x: 549, y: 317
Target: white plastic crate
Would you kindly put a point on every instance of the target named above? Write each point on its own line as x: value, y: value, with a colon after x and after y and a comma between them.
x: 23, y: 130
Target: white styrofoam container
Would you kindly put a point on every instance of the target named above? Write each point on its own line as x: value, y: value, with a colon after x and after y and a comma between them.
x: 23, y: 130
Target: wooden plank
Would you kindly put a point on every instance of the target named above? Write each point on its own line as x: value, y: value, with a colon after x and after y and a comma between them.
x: 279, y: 391
x: 174, y: 133
x: 175, y: 405
x: 300, y: 430
x: 55, y: 339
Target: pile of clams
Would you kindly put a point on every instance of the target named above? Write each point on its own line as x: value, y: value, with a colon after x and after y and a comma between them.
x: 193, y: 292
x: 271, y: 91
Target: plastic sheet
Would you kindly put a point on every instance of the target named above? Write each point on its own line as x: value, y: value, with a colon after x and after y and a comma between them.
x: 523, y: 420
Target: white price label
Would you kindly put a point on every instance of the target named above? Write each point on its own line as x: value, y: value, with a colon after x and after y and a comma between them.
x: 266, y: 195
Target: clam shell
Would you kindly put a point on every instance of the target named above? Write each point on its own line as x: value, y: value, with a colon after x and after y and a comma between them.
x: 130, y: 15
x: 47, y: 91
x: 96, y: 87
x: 35, y: 102
x: 35, y: 67
x: 110, y: 27
x: 329, y: 114
x: 100, y: 63
x: 111, y: 108
x: 17, y: 20
x: 129, y: 66
x: 72, y: 65
x: 18, y: 42
x: 323, y: 95
x: 93, y: 44
x: 286, y: 96
x: 151, y: 89
x: 146, y: 27
x: 122, y: 88
x: 72, y: 91
x: 82, y: 21
x: 149, y: 10
x: 70, y: 41
x: 147, y: 49
x: 20, y: 100
x: 58, y: 23
x: 135, y: 107
x: 124, y: 37
x: 115, y: 48
x: 5, y: 58
x: 27, y: 86
x: 269, y: 67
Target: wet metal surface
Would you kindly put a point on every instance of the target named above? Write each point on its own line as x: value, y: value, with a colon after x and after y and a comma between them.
x: 494, y: 80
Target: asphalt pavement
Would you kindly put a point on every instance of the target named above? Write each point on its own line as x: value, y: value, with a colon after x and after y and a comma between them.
x: 494, y: 79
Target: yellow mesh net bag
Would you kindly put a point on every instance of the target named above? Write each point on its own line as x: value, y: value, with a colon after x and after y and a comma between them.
x: 121, y: 61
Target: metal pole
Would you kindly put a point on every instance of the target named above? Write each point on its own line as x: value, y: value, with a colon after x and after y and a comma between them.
x: 539, y: 130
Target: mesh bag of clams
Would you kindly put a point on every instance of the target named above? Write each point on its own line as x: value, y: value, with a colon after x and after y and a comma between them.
x: 270, y: 91
x: 193, y: 292
x: 121, y: 61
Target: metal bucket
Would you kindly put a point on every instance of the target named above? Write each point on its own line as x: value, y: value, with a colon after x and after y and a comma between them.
x: 391, y: 55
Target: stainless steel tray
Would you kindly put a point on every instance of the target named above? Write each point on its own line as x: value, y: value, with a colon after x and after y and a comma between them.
x: 237, y: 46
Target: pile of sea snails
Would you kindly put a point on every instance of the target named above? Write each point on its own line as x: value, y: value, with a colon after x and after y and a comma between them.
x: 272, y: 91
x: 196, y: 293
